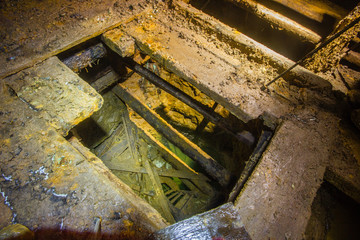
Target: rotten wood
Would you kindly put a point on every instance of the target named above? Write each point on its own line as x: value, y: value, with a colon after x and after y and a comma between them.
x: 278, y: 21
x: 130, y: 140
x: 328, y: 57
x: 168, y: 173
x: 315, y: 9
x: 250, y: 165
x: 194, y: 180
x: 210, y: 166
x: 105, y: 81
x: 208, y: 113
x: 255, y: 50
x: 154, y: 177
x: 85, y: 58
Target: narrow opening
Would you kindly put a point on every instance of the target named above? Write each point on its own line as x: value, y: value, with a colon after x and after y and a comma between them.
x: 153, y: 165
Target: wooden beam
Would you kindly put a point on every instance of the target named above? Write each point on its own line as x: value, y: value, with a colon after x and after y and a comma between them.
x: 353, y: 57
x: 85, y: 57
x: 154, y: 177
x: 195, y: 181
x: 168, y: 173
x: 278, y: 21
x: 105, y: 81
x: 249, y: 167
x: 210, y: 166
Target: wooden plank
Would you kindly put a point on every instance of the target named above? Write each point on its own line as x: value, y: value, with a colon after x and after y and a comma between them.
x: 169, y: 156
x: 278, y: 21
x: 198, y: 182
x: 85, y: 58
x: 250, y: 165
x: 353, y: 57
x: 254, y: 51
x: 224, y: 222
x: 105, y: 81
x: 49, y: 37
x: 315, y: 9
x: 211, y: 167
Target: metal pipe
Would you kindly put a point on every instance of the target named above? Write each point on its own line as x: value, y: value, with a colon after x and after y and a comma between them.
x: 245, y: 136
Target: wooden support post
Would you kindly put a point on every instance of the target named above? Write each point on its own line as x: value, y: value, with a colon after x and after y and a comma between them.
x: 211, y: 167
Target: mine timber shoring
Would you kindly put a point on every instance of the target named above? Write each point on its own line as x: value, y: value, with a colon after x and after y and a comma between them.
x: 208, y: 113
x: 106, y: 81
x: 210, y: 166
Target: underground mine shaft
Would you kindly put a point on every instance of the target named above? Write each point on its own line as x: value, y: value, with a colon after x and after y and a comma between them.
x: 167, y: 134
x: 165, y: 119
